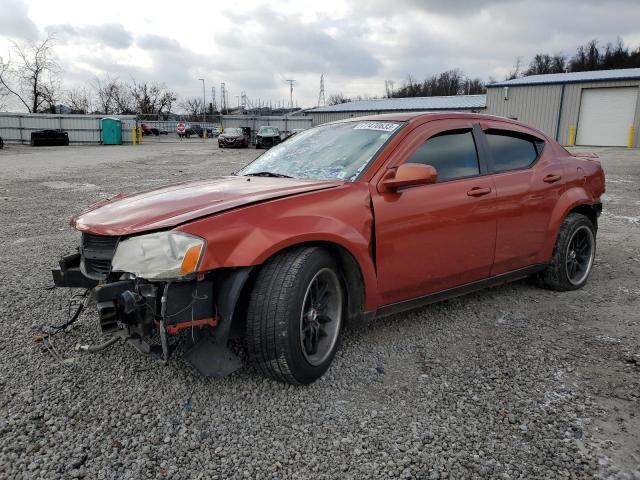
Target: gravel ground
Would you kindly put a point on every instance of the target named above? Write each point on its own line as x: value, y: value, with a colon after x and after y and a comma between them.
x: 512, y: 382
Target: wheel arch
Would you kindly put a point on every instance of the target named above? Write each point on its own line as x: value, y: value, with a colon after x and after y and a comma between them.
x: 591, y: 211
x: 573, y: 200
x: 351, y: 277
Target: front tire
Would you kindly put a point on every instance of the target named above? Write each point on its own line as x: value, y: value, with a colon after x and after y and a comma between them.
x: 294, y: 315
x: 573, y: 255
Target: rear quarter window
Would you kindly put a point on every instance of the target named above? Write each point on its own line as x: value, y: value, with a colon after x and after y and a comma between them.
x: 512, y: 151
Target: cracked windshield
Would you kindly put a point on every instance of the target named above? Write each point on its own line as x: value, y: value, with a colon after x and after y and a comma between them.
x: 338, y: 151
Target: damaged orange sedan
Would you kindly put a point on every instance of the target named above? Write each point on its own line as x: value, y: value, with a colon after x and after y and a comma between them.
x: 343, y: 221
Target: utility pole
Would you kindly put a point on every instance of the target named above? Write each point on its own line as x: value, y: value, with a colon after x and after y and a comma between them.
x: 223, y: 98
x: 321, y: 100
x: 290, y: 82
x: 204, y: 104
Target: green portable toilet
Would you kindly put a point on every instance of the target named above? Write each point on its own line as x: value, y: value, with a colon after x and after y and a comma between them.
x: 111, y: 131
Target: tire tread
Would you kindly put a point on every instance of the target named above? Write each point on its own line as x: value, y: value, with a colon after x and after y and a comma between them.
x: 269, y: 307
x: 553, y: 277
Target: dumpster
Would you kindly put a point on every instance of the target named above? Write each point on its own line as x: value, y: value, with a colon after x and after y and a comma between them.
x: 111, y: 131
x: 49, y: 138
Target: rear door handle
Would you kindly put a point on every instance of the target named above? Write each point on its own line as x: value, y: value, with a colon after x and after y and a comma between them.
x: 478, y: 192
x: 551, y: 178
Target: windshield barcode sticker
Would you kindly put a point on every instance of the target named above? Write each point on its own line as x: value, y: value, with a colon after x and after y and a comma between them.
x: 380, y: 126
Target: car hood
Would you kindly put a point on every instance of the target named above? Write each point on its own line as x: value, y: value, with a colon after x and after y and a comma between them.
x: 176, y: 204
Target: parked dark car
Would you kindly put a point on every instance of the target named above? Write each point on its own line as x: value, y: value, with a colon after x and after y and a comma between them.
x: 267, y: 137
x: 196, y: 129
x: 233, y: 137
x: 49, y: 138
x: 1, y: 143
x: 147, y: 130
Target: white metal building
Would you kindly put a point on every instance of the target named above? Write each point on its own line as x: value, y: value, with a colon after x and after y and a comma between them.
x: 360, y: 108
x: 597, y: 108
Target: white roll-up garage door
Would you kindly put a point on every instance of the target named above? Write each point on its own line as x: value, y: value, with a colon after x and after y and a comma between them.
x: 606, y: 114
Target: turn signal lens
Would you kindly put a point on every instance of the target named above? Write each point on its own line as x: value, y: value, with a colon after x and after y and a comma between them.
x: 190, y: 261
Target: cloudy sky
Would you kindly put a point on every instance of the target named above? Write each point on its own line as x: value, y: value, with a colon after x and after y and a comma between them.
x: 254, y: 45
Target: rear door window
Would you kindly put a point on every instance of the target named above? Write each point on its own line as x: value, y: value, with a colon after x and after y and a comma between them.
x: 512, y: 151
x: 453, y: 154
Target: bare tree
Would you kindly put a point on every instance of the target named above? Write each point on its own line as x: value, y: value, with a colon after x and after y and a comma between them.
x: 51, y: 93
x: 545, y: 63
x: 106, y: 91
x: 389, y: 87
x: 515, y: 72
x: 451, y: 82
x: 124, y: 100
x: 79, y: 99
x: 113, y: 96
x: 193, y: 107
x: 152, y: 98
x: 337, y: 98
x: 32, y: 75
x: 474, y: 86
x: 3, y: 95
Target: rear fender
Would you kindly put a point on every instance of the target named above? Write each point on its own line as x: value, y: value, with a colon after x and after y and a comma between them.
x: 570, y: 199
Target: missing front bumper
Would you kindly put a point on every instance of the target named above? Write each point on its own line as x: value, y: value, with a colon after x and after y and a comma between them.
x: 148, y: 314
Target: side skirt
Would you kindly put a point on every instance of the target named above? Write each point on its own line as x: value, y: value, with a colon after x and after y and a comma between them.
x: 456, y: 291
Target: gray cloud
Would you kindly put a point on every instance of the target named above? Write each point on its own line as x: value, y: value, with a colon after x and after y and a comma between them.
x: 460, y: 8
x: 170, y: 63
x: 156, y: 42
x: 15, y: 22
x: 290, y: 45
x: 357, y: 48
x: 112, y: 35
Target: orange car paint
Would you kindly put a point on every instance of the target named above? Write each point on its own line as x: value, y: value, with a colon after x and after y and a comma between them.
x: 409, y: 243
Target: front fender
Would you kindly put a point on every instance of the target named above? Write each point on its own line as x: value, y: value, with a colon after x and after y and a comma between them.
x: 569, y: 200
x: 249, y: 236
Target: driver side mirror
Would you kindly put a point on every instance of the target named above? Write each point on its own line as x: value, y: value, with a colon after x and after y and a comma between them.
x: 409, y: 175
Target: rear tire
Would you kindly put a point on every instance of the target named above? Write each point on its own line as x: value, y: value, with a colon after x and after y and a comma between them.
x: 573, y: 255
x: 294, y: 315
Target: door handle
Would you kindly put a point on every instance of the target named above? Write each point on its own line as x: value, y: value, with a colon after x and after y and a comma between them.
x: 478, y: 192
x: 551, y: 178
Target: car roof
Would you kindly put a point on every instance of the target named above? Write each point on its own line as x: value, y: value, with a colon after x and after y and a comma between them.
x: 417, y: 118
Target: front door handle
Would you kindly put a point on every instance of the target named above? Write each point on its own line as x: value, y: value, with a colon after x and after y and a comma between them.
x: 551, y: 178
x: 478, y: 192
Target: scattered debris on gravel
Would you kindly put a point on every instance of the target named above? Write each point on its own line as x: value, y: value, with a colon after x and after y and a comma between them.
x: 511, y: 382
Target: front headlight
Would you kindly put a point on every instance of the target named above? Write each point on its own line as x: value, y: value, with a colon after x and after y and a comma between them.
x: 162, y: 255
